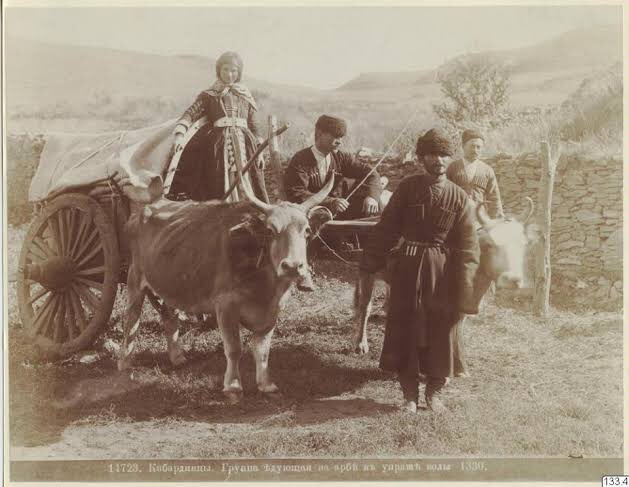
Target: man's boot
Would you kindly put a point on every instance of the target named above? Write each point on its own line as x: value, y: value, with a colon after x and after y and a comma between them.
x: 410, y: 390
x: 434, y: 388
x: 409, y: 406
x: 460, y: 368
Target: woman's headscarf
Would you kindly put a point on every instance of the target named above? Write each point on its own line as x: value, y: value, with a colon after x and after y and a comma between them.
x: 229, y: 57
x: 220, y: 88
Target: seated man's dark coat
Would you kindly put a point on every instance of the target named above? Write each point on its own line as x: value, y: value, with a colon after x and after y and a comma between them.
x: 302, y: 180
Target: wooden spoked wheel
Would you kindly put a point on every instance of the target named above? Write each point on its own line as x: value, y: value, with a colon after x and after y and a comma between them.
x: 68, y: 275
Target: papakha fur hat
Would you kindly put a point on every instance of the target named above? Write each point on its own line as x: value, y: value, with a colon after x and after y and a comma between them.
x: 470, y: 134
x: 435, y: 141
x: 331, y: 125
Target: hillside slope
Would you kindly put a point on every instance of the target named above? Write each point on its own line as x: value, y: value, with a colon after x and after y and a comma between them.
x: 564, y: 57
x: 38, y: 74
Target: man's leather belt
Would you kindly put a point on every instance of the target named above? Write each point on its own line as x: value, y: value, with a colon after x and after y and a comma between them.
x: 231, y: 122
x: 412, y: 248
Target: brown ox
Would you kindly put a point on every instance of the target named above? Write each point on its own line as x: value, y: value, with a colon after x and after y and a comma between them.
x: 503, y: 244
x: 192, y: 258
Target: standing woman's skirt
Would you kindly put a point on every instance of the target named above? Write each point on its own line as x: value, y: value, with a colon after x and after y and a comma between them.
x: 205, y: 170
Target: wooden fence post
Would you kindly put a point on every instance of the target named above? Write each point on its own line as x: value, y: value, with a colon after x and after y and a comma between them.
x: 541, y: 298
x: 275, y: 162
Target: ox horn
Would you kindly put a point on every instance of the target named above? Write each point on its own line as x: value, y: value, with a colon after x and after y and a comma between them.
x: 527, y: 212
x: 265, y: 207
x: 317, y: 198
x: 481, y: 215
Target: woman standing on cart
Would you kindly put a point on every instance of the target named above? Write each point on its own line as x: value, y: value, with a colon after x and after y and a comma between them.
x: 214, y: 155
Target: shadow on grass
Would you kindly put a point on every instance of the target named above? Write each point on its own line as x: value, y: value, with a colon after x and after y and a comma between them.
x: 322, y: 410
x: 516, y: 299
x: 47, y: 398
x: 594, y: 328
x: 560, y: 299
x: 335, y: 268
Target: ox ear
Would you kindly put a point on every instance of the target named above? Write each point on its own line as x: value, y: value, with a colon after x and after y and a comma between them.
x: 253, y: 225
x: 256, y: 224
x: 533, y: 233
x: 245, y: 243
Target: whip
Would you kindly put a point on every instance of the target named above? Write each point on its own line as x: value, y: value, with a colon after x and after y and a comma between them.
x: 253, y: 158
x: 333, y: 215
x: 383, y: 155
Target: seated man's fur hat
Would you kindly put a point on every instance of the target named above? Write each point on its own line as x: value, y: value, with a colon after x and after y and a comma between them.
x: 331, y: 125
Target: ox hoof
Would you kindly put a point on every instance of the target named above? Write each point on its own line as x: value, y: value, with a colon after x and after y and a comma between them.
x: 361, y: 348
x: 233, y: 396
x: 268, y: 389
x: 124, y: 364
x: 178, y: 360
x: 462, y: 374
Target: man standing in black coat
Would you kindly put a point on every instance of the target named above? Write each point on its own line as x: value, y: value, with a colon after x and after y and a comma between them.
x: 432, y: 279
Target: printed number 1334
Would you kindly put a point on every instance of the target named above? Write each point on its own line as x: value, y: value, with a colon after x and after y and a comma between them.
x: 610, y: 480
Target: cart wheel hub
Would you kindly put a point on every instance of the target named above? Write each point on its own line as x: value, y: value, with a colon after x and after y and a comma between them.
x: 55, y: 273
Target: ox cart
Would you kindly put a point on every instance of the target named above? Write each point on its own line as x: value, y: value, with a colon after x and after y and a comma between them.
x: 71, y: 262
x: 75, y: 253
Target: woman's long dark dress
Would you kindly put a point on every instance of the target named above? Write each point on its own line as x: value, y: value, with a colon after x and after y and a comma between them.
x: 210, y: 159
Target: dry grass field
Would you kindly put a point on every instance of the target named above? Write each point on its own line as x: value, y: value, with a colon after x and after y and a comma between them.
x: 548, y: 387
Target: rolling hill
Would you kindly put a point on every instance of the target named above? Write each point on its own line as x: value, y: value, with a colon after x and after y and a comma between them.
x: 72, y: 88
x: 559, y: 63
x: 39, y: 74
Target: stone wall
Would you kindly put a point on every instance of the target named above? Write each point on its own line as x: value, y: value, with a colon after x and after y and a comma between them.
x: 586, y: 238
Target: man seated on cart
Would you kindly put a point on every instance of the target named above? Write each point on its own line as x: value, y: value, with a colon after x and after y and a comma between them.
x: 310, y: 168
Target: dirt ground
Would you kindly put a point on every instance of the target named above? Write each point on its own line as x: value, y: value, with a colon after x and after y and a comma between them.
x: 549, y: 387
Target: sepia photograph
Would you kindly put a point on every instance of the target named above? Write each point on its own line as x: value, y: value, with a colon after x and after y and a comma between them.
x: 301, y: 242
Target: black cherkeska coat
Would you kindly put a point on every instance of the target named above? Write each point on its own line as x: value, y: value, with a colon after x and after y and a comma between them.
x: 432, y: 275
x: 302, y: 179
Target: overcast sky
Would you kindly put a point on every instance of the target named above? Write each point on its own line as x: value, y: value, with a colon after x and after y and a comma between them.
x: 310, y: 46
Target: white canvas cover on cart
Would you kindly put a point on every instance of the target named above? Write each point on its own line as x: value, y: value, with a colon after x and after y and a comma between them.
x: 76, y: 160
